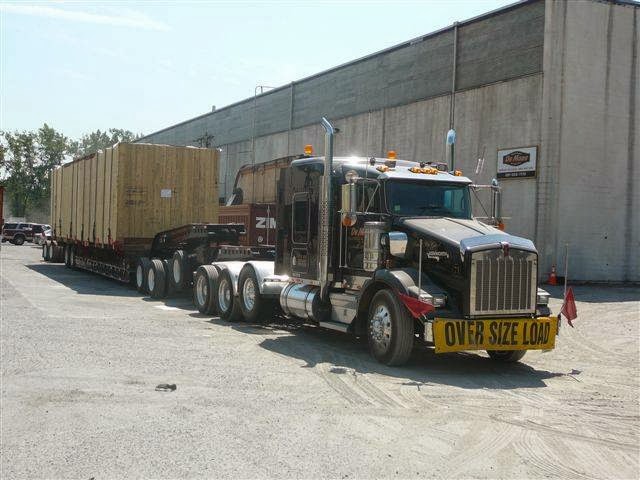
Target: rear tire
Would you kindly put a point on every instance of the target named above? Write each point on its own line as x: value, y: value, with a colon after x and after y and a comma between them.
x: 506, y: 356
x: 18, y: 240
x: 157, y: 279
x: 228, y: 305
x: 390, y: 329
x: 205, y: 285
x: 142, y: 267
x: 180, y: 276
x: 255, y: 308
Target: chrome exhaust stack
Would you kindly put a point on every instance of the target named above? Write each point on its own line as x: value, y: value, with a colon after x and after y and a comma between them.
x: 326, y: 209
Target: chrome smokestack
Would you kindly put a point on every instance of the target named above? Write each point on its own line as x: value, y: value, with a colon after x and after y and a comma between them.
x: 326, y: 209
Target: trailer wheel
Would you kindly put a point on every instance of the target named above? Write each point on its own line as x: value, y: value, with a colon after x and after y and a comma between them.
x: 67, y: 256
x: 205, y: 285
x: 57, y: 253
x: 390, y: 329
x: 168, y: 272
x: 142, y: 267
x: 180, y: 270
x: 228, y: 306
x: 253, y: 305
x: 506, y: 356
x: 72, y: 257
x: 157, y: 279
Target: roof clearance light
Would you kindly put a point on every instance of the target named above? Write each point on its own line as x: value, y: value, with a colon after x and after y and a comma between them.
x: 382, y: 168
x: 430, y: 171
x: 457, y: 173
x: 392, y: 154
x: 308, y: 149
x: 415, y: 170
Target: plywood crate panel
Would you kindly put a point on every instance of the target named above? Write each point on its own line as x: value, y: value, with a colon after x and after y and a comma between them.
x: 132, y: 191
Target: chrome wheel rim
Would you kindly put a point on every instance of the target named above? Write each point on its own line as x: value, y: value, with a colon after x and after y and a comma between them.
x: 380, y: 328
x: 139, y: 276
x: 201, y: 290
x: 151, y: 279
x: 177, y: 271
x: 249, y: 294
x: 224, y: 295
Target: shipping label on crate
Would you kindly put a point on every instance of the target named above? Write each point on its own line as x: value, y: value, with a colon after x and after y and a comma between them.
x: 517, y: 162
x: 166, y: 193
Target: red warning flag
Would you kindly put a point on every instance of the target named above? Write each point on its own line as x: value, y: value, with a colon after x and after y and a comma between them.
x: 416, y: 306
x: 569, y: 307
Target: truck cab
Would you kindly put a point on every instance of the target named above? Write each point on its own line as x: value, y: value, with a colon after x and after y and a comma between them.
x: 389, y: 249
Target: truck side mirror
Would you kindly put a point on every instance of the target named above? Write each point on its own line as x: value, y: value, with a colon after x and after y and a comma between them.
x: 398, y: 244
x: 349, y: 200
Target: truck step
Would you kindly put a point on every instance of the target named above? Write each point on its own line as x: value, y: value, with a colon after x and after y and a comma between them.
x: 339, y: 326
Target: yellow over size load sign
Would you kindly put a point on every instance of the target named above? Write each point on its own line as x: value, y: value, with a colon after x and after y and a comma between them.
x: 451, y: 335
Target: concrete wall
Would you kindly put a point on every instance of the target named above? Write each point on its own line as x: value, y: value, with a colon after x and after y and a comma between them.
x: 590, y: 166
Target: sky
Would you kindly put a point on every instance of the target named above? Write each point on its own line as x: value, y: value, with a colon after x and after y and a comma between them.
x: 143, y: 66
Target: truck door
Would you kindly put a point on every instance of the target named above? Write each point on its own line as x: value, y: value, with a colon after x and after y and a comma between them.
x: 300, y: 232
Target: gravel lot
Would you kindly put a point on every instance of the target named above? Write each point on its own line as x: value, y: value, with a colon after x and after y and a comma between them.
x: 81, y: 358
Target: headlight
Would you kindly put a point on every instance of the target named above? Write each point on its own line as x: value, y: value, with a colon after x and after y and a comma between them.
x: 437, y: 299
x: 543, y: 297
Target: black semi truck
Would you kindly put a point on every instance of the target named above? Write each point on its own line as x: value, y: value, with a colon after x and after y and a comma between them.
x: 389, y: 249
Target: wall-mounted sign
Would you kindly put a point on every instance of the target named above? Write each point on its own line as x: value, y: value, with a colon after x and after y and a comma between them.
x: 517, y: 162
x: 165, y: 193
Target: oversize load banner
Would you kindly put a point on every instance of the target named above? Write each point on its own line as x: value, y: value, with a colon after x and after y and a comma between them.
x: 517, y: 162
x: 503, y: 334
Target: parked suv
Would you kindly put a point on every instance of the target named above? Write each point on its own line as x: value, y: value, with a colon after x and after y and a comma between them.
x: 41, y: 233
x: 17, y: 233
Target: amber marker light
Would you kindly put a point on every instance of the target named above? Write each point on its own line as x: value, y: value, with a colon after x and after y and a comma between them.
x: 308, y: 149
x: 392, y: 154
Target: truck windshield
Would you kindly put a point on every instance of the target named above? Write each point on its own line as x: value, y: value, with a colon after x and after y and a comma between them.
x: 428, y: 199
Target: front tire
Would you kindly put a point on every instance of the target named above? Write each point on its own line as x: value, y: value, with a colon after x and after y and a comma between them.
x: 228, y: 305
x: 18, y: 240
x: 506, y: 356
x: 390, y: 329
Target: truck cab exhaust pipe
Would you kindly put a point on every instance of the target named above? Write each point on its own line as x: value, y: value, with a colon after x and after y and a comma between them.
x: 325, y: 210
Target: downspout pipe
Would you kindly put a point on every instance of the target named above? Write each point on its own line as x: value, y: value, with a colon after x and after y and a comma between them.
x: 326, y: 209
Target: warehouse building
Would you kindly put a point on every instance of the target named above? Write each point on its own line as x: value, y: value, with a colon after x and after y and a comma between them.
x: 545, y: 91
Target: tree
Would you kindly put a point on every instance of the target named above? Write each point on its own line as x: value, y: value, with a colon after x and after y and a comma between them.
x: 99, y: 140
x: 25, y: 161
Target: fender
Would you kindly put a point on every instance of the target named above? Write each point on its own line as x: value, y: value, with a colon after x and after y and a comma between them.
x: 268, y: 283
x: 404, y: 281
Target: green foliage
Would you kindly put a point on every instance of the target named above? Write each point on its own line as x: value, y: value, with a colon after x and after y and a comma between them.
x: 27, y: 157
x: 99, y: 140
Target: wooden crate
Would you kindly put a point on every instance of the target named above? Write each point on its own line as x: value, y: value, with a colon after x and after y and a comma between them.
x: 131, y: 191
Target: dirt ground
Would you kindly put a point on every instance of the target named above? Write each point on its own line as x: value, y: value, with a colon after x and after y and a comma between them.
x: 81, y: 357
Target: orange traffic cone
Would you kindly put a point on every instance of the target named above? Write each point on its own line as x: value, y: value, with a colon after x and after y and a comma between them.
x: 553, y: 280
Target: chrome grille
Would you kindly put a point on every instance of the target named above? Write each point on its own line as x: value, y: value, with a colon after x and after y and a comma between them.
x: 503, y: 284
